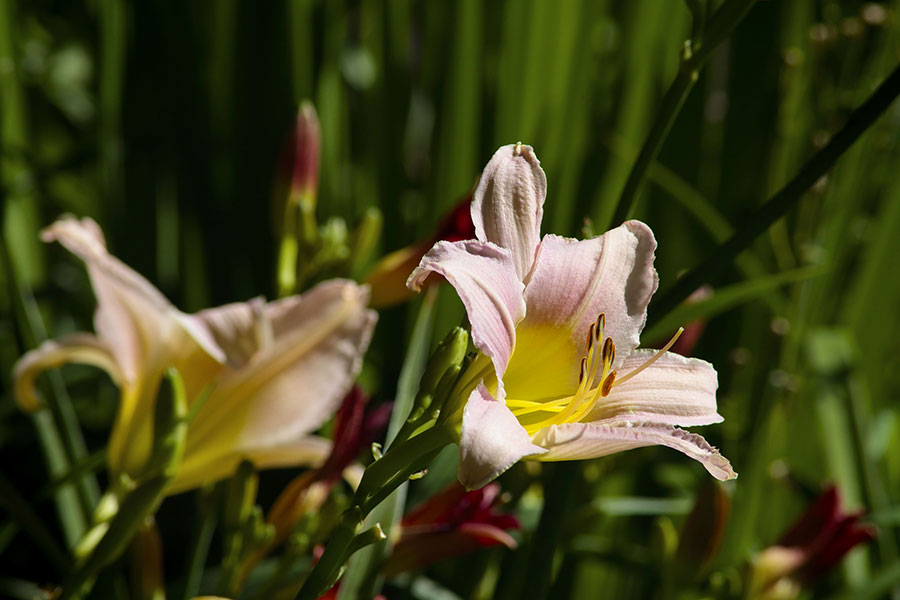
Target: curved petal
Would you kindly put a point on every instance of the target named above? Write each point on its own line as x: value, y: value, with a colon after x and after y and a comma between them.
x: 81, y: 348
x: 574, y: 441
x: 508, y: 204
x: 239, y: 329
x: 196, y: 470
x: 132, y: 316
x: 484, y: 276
x: 294, y: 384
x: 571, y: 284
x: 675, y: 390
x: 491, y: 440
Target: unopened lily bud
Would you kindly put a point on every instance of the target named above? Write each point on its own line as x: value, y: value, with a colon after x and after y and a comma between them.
x: 170, y: 426
x: 449, y: 353
x: 364, y: 240
x: 305, y: 147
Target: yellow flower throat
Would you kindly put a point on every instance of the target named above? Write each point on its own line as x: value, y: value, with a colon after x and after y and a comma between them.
x: 596, y: 365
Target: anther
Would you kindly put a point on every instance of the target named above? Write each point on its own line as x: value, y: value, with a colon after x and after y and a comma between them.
x: 608, y: 383
x: 583, y: 370
x: 590, y: 336
x: 609, y: 351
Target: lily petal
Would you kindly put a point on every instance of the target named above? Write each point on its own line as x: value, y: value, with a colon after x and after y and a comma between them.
x: 508, y: 203
x: 574, y: 441
x: 81, y: 348
x: 294, y: 384
x: 574, y: 281
x: 195, y: 471
x: 132, y: 315
x: 240, y: 329
x: 674, y: 390
x: 485, y: 278
x: 491, y: 440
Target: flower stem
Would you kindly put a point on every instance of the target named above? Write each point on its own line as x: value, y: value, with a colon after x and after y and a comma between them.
x: 695, y: 55
x: 380, y: 479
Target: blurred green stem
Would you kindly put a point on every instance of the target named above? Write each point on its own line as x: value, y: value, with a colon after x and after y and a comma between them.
x: 785, y: 199
x: 559, y: 489
x: 696, y: 52
x: 380, y: 479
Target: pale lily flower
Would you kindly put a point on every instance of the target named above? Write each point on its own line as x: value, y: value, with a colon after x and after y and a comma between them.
x: 557, y: 322
x: 279, y: 370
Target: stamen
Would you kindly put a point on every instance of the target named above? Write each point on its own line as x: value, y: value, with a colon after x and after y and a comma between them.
x: 583, y: 371
x: 609, y: 352
x: 652, y: 359
x: 608, y: 383
x: 590, y: 337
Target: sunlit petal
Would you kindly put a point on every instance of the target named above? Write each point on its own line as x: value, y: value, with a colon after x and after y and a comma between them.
x: 491, y: 440
x: 294, y: 384
x: 574, y: 441
x: 485, y: 279
x: 674, y: 390
x: 575, y: 280
x: 199, y: 468
x: 508, y: 203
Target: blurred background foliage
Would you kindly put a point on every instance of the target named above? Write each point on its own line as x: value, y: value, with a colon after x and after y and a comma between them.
x: 165, y: 121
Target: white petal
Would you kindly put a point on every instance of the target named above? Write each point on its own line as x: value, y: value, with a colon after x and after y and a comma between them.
x: 196, y: 470
x: 81, y: 348
x: 491, y: 440
x: 240, y: 329
x: 675, y: 390
x: 576, y: 441
x: 133, y: 318
x: 485, y: 279
x: 508, y: 204
x: 573, y: 282
x: 292, y: 386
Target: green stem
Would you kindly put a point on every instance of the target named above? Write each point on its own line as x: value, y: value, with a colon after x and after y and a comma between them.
x: 785, y: 199
x: 381, y: 477
x: 721, y: 24
x: 199, y: 545
x: 560, y: 488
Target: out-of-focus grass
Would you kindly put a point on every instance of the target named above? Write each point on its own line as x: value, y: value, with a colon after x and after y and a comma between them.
x: 165, y: 121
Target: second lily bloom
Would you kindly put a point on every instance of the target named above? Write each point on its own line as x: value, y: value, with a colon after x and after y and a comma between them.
x: 557, y: 323
x: 277, y: 370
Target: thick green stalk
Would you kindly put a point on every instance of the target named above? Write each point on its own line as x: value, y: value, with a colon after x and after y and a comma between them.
x: 786, y: 198
x: 379, y: 480
x: 722, y: 23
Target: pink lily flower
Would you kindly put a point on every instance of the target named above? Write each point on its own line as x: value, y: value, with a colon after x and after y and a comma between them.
x: 280, y: 369
x: 557, y: 323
